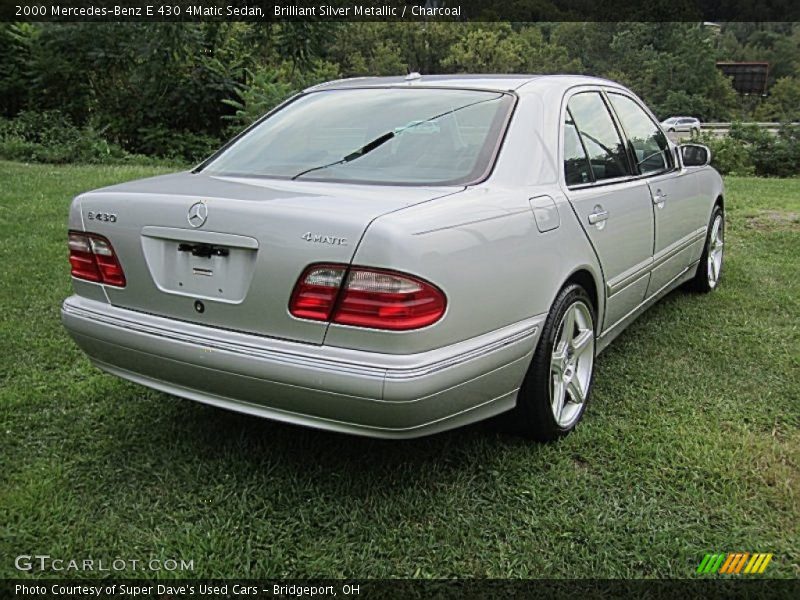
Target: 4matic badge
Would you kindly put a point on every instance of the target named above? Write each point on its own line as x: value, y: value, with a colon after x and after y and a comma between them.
x: 318, y: 238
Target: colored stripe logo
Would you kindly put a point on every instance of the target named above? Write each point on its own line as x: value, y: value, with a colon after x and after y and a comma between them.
x: 734, y: 563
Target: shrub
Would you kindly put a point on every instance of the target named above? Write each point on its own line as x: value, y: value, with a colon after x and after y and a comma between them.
x: 728, y: 156
x: 771, y: 155
x: 752, y: 150
x: 50, y: 137
x: 177, y: 145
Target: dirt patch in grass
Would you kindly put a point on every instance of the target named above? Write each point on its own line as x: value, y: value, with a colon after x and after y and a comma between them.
x: 773, y: 220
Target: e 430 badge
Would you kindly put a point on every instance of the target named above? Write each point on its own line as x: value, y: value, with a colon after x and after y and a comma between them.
x: 101, y: 216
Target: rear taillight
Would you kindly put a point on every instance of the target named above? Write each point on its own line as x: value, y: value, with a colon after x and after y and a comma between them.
x: 92, y: 258
x: 387, y: 300
x: 315, y: 293
x: 364, y: 297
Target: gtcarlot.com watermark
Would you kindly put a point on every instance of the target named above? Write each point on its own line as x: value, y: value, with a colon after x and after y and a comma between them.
x: 31, y: 563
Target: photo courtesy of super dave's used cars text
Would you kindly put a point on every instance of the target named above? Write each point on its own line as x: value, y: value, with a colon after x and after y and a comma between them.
x: 185, y: 589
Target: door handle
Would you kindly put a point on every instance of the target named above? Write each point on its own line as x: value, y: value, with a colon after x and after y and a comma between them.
x: 659, y: 197
x: 598, y: 216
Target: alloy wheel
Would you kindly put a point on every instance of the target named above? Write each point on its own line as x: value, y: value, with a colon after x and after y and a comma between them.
x: 571, y: 364
x: 715, y: 247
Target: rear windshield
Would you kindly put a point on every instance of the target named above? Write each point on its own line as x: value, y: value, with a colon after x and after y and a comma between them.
x: 381, y: 136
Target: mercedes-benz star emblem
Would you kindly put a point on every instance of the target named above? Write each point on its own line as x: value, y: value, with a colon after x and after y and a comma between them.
x: 198, y: 213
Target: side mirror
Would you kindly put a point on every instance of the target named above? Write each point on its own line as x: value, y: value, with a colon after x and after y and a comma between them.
x: 695, y: 155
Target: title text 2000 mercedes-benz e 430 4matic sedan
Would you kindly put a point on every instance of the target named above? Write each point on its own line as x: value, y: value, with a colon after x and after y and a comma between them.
x: 394, y: 257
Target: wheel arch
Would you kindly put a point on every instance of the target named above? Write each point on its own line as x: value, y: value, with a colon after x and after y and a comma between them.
x: 585, y: 277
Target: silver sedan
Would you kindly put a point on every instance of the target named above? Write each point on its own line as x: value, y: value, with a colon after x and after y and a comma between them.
x: 394, y: 257
x: 682, y: 124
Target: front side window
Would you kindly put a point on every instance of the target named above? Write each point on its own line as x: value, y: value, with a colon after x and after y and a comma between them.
x: 404, y: 136
x: 648, y: 142
x: 607, y: 156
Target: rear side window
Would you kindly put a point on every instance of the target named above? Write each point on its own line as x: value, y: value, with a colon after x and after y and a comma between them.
x: 577, y: 169
x: 602, y: 141
x: 648, y: 142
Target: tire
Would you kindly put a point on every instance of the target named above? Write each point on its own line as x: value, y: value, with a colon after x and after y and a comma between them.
x: 695, y: 132
x: 671, y: 130
x: 562, y: 365
x: 709, y: 269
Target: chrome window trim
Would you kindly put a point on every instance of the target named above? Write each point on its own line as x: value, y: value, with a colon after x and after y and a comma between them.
x: 676, y: 168
x: 622, y: 138
x: 628, y: 144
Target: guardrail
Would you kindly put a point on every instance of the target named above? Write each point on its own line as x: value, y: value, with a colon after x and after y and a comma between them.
x: 722, y: 129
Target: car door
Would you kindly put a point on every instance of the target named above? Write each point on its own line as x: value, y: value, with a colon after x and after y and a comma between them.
x: 673, y: 190
x: 613, y: 207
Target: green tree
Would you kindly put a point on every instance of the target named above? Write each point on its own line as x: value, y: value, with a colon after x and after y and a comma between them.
x: 269, y: 86
x: 299, y: 42
x: 374, y: 48
x: 588, y: 43
x: 154, y: 88
x: 672, y: 66
x: 367, y: 48
x: 16, y: 40
x: 541, y: 55
x: 783, y: 103
x: 488, y: 48
x: 775, y: 43
x: 178, y: 88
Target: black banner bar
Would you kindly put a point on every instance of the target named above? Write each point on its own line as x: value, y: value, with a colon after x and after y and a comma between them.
x: 368, y: 589
x: 398, y: 10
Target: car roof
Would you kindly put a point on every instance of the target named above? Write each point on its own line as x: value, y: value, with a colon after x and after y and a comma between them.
x: 494, y: 82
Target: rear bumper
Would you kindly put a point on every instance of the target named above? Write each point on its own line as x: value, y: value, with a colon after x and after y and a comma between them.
x: 351, y: 391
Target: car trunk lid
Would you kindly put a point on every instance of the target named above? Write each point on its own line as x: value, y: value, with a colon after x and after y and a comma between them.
x: 226, y: 251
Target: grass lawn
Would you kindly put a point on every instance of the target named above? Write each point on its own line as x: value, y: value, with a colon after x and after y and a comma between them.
x: 691, y: 444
